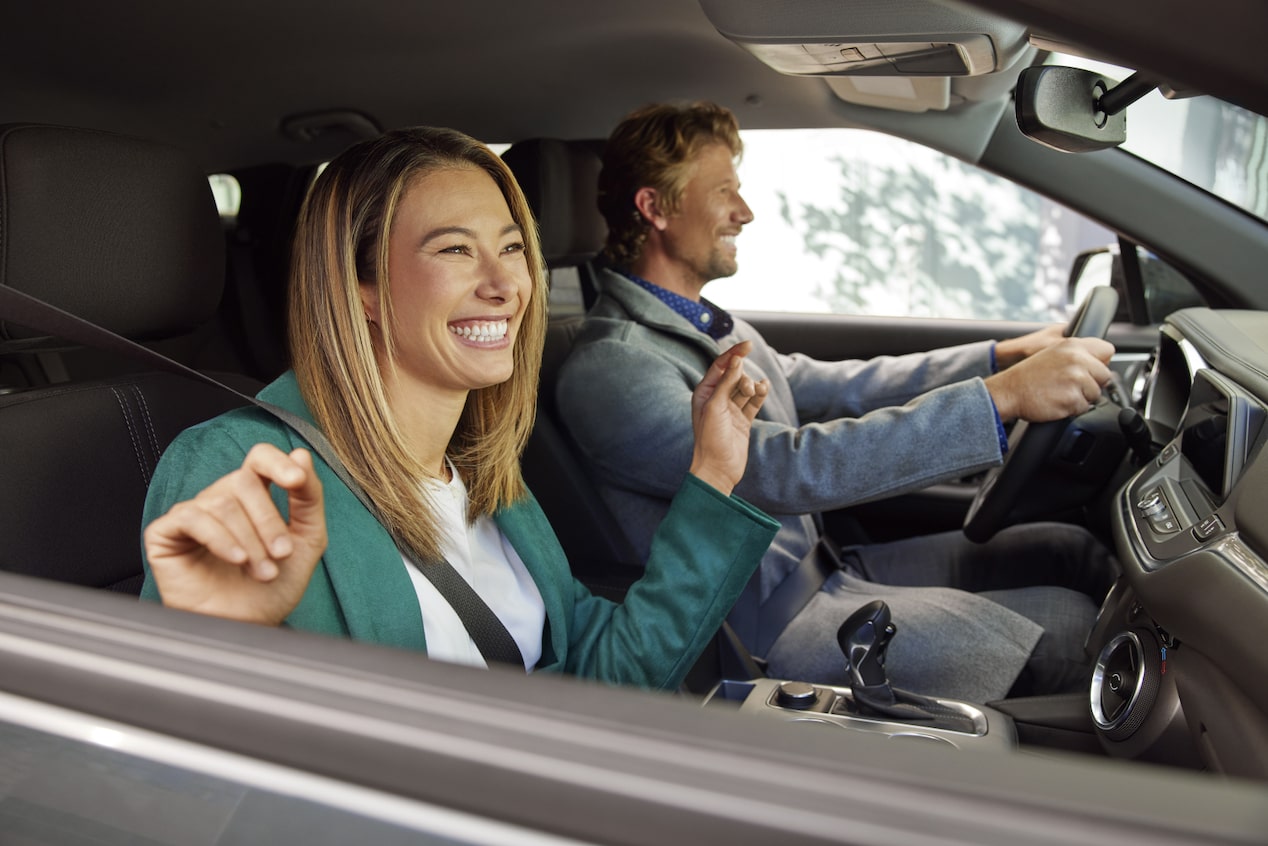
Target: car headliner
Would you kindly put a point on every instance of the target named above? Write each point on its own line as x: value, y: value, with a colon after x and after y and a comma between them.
x: 220, y: 79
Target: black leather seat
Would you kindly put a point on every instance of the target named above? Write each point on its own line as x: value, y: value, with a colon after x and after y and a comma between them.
x: 560, y: 180
x: 122, y: 232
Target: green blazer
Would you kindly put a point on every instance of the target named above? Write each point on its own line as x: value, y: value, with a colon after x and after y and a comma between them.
x: 361, y: 590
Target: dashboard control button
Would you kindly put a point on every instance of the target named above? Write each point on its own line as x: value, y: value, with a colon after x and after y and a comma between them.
x: 1163, y: 522
x: 1208, y: 528
x: 1169, y: 452
x: 1151, y: 503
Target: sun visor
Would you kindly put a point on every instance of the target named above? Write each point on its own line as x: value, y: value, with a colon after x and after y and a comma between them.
x: 882, y: 38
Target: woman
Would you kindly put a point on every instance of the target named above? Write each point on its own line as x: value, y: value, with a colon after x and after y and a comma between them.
x: 417, y: 317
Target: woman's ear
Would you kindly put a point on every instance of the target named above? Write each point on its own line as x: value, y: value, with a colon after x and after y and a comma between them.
x: 370, y: 302
x: 647, y: 201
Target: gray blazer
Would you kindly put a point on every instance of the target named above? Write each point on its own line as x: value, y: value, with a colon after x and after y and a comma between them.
x: 831, y: 434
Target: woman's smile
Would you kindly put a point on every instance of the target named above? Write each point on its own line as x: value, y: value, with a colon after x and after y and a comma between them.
x: 481, y: 333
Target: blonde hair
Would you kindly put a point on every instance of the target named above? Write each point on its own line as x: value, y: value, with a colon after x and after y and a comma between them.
x: 341, y: 240
x: 655, y: 147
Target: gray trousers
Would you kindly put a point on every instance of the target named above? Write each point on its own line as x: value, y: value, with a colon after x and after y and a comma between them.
x: 974, y: 621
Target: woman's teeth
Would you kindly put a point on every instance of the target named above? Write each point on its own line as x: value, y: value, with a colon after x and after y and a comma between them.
x: 485, y: 330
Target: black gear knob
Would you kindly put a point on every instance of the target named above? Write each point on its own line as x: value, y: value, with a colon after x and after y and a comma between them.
x: 864, y: 637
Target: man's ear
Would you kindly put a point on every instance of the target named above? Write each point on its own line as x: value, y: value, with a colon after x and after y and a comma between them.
x: 370, y: 301
x: 647, y: 201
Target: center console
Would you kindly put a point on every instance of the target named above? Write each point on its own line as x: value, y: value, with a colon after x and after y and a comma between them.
x: 830, y: 707
x: 868, y: 702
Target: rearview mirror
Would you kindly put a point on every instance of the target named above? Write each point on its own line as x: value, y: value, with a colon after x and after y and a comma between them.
x: 1061, y: 107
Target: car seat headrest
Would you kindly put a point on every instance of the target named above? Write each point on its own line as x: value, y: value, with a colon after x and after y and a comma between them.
x: 117, y: 230
x: 561, y: 181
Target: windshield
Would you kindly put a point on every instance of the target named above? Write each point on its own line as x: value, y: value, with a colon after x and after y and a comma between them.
x: 1217, y: 146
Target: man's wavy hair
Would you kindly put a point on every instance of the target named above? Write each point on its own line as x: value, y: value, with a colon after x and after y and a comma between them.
x: 655, y: 147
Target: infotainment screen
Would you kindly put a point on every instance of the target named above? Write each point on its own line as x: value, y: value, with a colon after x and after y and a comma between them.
x: 1204, y: 443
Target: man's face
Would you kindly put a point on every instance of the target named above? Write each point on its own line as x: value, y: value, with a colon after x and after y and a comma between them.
x: 700, y: 238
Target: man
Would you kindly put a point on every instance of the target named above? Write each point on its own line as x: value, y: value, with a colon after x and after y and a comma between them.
x: 978, y: 623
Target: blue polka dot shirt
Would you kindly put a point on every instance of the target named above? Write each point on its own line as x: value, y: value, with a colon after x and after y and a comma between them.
x: 704, y: 315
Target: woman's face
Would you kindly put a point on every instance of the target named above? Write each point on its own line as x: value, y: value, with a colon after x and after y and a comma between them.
x: 459, y: 282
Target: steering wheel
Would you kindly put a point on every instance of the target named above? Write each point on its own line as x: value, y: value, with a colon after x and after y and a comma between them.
x: 1032, y: 443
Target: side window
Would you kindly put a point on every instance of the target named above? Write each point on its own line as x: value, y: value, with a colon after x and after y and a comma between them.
x: 857, y: 222
x: 228, y: 194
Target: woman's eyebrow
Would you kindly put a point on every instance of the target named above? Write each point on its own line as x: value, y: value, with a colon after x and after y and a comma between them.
x: 442, y: 231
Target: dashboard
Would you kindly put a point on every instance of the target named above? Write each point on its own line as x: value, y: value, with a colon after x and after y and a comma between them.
x: 1181, y: 674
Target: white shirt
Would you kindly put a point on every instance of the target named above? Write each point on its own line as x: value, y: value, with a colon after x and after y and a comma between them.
x: 485, y: 559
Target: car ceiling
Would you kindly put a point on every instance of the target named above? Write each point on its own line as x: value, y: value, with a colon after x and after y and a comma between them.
x: 222, y: 78
x: 219, y: 78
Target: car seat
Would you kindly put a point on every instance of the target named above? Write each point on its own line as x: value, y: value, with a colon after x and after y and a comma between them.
x: 560, y: 180
x: 124, y: 233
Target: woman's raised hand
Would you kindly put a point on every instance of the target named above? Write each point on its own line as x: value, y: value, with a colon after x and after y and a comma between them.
x: 723, y: 406
x: 228, y: 553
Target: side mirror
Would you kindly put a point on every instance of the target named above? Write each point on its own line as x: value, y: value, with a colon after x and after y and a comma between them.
x: 1061, y: 107
x: 1165, y: 288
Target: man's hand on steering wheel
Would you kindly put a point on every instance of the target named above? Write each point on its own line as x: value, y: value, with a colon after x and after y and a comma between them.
x: 1055, y: 383
x: 1042, y: 391
x: 1009, y: 351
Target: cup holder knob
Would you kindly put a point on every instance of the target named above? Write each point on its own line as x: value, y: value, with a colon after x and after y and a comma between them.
x: 796, y: 695
x: 1125, y: 682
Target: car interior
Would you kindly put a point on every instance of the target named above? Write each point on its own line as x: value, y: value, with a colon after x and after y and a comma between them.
x: 106, y: 215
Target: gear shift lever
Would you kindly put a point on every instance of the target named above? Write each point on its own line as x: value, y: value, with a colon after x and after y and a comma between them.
x: 864, y: 637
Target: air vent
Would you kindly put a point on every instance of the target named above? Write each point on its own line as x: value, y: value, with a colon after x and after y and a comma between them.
x: 1125, y: 683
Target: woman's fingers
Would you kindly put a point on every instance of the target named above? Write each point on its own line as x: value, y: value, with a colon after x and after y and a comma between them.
x: 722, y: 365
x: 188, y: 527
x: 294, y: 473
x: 723, y: 407
x: 727, y: 381
x: 753, y: 402
x: 241, y: 501
x: 229, y: 552
x: 235, y: 518
x: 306, y: 531
x: 307, y: 502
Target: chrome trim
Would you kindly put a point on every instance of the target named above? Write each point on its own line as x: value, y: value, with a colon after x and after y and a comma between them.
x: 1243, y: 559
x: 964, y: 709
x: 1098, y: 681
x: 1192, y: 357
x: 759, y: 698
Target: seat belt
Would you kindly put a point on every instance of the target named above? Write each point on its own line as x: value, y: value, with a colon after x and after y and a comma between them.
x: 486, y: 630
